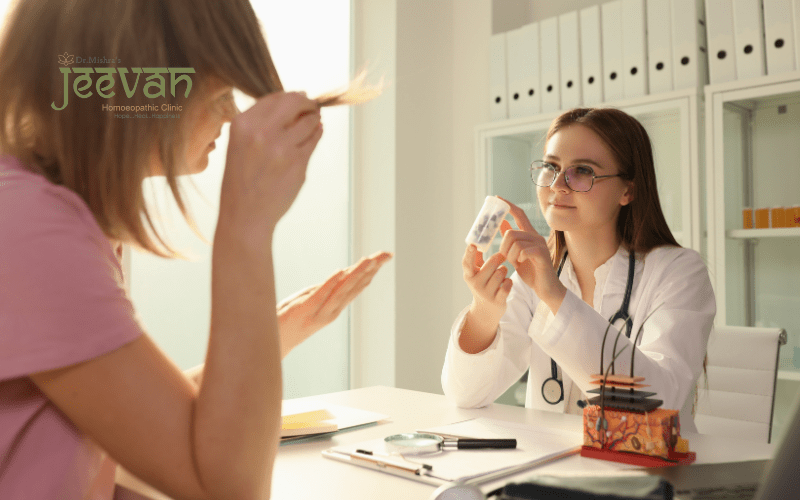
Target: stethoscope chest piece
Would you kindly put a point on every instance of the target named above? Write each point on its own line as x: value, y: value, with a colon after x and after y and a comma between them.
x: 553, y: 391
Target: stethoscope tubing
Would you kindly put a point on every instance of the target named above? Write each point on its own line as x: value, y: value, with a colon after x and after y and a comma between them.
x: 622, y: 314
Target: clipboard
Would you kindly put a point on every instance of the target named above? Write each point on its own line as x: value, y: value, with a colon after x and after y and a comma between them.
x: 389, y: 465
x: 535, y: 446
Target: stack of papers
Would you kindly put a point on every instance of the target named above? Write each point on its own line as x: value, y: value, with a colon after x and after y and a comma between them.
x: 310, y: 422
x: 310, y: 419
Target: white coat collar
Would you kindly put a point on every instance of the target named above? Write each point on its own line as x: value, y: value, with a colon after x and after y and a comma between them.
x: 616, y: 267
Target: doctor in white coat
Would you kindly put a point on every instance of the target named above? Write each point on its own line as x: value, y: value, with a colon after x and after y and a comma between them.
x: 597, y: 190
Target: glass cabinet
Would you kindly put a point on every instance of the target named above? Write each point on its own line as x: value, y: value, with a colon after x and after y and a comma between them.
x: 754, y: 173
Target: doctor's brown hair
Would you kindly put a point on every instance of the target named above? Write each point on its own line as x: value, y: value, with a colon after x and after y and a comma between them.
x: 102, y: 158
x: 641, y: 225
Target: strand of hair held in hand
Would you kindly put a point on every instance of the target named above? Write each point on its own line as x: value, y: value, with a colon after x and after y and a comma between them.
x: 357, y: 92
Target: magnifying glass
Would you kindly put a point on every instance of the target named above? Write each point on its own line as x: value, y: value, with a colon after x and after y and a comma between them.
x: 421, y: 443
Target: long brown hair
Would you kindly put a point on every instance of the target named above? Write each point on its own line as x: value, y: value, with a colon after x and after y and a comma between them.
x: 641, y: 225
x: 104, y: 158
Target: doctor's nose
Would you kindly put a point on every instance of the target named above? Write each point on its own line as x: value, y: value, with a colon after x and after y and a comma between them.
x: 560, y: 182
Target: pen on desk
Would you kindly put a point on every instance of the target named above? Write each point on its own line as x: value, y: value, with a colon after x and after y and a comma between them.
x: 381, y: 461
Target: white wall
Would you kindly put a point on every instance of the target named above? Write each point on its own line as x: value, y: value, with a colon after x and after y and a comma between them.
x: 414, y: 187
x: 544, y: 9
x: 510, y: 14
x: 424, y: 188
x: 472, y: 28
x: 374, y: 189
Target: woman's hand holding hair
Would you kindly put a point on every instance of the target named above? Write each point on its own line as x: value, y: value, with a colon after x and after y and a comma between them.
x: 268, y: 152
x: 527, y: 251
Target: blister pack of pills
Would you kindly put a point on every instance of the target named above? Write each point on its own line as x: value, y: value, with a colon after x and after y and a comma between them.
x: 487, y: 223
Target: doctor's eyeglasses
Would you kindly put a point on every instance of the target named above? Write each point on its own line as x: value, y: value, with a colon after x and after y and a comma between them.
x: 579, y: 178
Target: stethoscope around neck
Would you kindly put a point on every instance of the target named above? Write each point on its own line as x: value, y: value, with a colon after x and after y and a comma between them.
x: 553, y: 388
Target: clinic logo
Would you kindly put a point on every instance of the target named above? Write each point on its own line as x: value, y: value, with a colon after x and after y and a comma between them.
x: 154, y: 85
x: 65, y: 59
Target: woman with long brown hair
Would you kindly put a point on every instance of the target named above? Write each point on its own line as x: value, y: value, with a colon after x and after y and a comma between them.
x: 96, y: 96
x: 610, y: 257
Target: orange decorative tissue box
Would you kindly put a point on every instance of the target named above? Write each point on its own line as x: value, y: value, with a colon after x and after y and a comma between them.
x: 653, y: 433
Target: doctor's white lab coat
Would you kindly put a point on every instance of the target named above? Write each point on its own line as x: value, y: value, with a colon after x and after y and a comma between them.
x: 672, y: 281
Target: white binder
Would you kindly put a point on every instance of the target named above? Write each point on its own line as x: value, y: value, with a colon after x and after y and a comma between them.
x: 779, y: 36
x: 659, y: 46
x: 548, y: 44
x: 611, y: 27
x: 690, y: 64
x: 721, y: 48
x: 497, y: 77
x: 523, y: 71
x: 570, y: 54
x: 634, y: 48
x: 591, y: 56
x: 748, y: 36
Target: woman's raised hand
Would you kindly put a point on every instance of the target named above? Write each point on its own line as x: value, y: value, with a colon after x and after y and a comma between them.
x: 527, y: 251
x: 308, y: 310
x: 268, y: 152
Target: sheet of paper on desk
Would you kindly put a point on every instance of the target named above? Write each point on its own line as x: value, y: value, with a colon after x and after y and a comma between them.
x: 533, y: 443
x: 309, y: 418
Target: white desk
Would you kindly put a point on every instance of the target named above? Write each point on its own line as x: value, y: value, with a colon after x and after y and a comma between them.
x: 301, y: 471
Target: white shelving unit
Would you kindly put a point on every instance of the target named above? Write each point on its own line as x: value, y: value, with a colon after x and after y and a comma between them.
x: 789, y: 375
x: 776, y: 232
x: 753, y: 160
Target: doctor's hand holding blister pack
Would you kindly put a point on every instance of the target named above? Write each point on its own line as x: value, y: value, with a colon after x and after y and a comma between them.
x: 524, y: 249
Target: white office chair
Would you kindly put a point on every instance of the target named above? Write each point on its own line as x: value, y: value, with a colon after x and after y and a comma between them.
x: 742, y: 372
